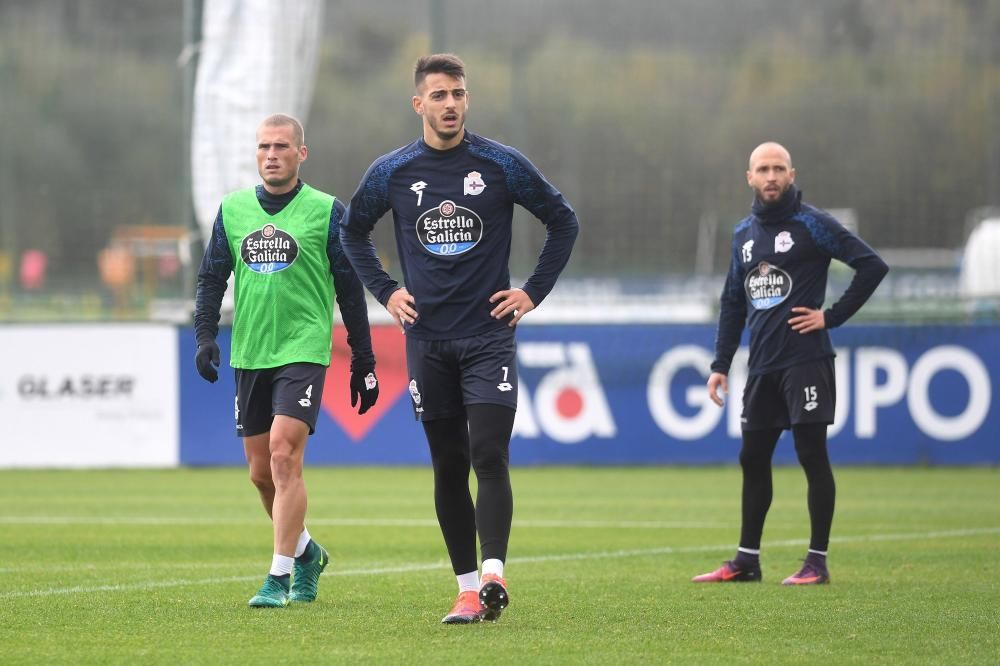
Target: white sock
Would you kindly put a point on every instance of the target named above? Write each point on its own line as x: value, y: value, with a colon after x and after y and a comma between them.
x: 468, y: 582
x: 818, y: 552
x: 281, y: 565
x: 748, y: 551
x: 300, y: 547
x: 493, y: 566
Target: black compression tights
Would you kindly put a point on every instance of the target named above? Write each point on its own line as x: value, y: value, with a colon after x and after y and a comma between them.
x: 479, y: 441
x: 755, y: 459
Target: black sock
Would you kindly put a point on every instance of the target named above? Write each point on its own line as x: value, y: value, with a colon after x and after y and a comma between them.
x: 816, y: 558
x: 746, y: 561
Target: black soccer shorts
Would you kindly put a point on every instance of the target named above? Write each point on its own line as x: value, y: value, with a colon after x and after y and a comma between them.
x: 294, y: 390
x: 804, y: 393
x: 447, y: 375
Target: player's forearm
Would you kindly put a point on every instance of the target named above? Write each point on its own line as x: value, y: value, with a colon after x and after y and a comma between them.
x: 354, y: 312
x: 559, y: 240
x: 732, y: 319
x: 208, y: 306
x: 359, y: 339
x: 213, y: 276
x: 361, y: 252
x: 727, y: 341
x: 869, y: 272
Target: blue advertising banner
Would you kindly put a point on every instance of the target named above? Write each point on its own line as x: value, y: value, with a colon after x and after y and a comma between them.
x: 635, y: 394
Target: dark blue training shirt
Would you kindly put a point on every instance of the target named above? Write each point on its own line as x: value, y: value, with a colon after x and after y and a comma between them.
x: 452, y: 211
x: 217, y: 264
x: 780, y: 259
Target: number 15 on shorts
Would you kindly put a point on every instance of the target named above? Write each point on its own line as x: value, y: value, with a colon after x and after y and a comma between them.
x: 811, y: 398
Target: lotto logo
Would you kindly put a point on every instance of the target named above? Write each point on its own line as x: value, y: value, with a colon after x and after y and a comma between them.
x: 569, y: 404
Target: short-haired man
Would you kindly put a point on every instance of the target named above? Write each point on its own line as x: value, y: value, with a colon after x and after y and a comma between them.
x: 776, y: 286
x: 281, y: 239
x: 452, y: 195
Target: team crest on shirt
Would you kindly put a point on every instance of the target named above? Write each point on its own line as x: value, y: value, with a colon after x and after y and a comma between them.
x: 767, y: 285
x: 449, y: 229
x: 783, y: 241
x: 474, y: 184
x: 268, y: 250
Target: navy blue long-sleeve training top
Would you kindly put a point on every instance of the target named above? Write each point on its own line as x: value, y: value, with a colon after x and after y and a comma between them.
x: 780, y: 260
x: 453, y: 211
x: 217, y: 265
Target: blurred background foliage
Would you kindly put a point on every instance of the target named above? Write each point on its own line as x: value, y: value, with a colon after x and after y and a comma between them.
x: 642, y: 113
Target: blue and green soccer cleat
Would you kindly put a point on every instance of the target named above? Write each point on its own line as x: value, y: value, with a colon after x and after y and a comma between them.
x: 272, y: 594
x: 305, y: 575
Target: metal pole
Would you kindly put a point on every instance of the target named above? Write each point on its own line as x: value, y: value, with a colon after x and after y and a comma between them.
x: 188, y: 63
x: 437, y: 26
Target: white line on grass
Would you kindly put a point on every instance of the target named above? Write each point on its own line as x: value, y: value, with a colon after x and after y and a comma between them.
x: 431, y: 566
x: 351, y: 522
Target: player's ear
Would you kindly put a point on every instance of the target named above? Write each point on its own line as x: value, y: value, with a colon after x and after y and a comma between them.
x: 303, y: 153
x: 418, y: 105
x: 791, y: 172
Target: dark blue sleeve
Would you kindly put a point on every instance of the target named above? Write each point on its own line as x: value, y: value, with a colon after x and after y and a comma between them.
x: 213, y: 276
x: 541, y: 199
x: 350, y: 296
x: 369, y: 203
x: 869, y: 268
x: 732, y: 315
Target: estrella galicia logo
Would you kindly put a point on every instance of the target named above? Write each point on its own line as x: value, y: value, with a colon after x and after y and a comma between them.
x: 268, y: 250
x: 767, y: 285
x: 449, y: 229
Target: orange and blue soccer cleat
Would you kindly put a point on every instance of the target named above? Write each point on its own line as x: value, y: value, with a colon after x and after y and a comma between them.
x: 811, y: 573
x: 493, y: 595
x: 466, y: 610
x: 730, y: 572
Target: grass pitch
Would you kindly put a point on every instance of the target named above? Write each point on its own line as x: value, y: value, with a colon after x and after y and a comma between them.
x: 156, y: 567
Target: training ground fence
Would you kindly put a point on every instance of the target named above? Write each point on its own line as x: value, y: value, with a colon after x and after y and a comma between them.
x: 643, y: 117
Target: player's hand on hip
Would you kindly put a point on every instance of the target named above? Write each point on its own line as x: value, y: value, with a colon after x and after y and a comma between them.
x: 807, y: 320
x: 511, y: 302
x: 206, y: 359
x: 402, y: 307
x: 717, y: 380
x: 364, y: 389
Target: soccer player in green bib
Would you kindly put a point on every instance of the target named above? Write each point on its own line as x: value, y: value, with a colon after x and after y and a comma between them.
x: 281, y: 241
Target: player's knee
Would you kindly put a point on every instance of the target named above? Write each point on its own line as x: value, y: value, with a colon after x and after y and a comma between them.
x: 264, y: 484
x: 285, y: 464
x: 260, y: 477
x: 810, y: 443
x: 451, y: 467
x: 490, y: 461
x: 752, y: 460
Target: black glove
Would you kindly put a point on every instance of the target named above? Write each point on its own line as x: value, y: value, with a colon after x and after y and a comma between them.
x: 364, y: 387
x: 205, y: 358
